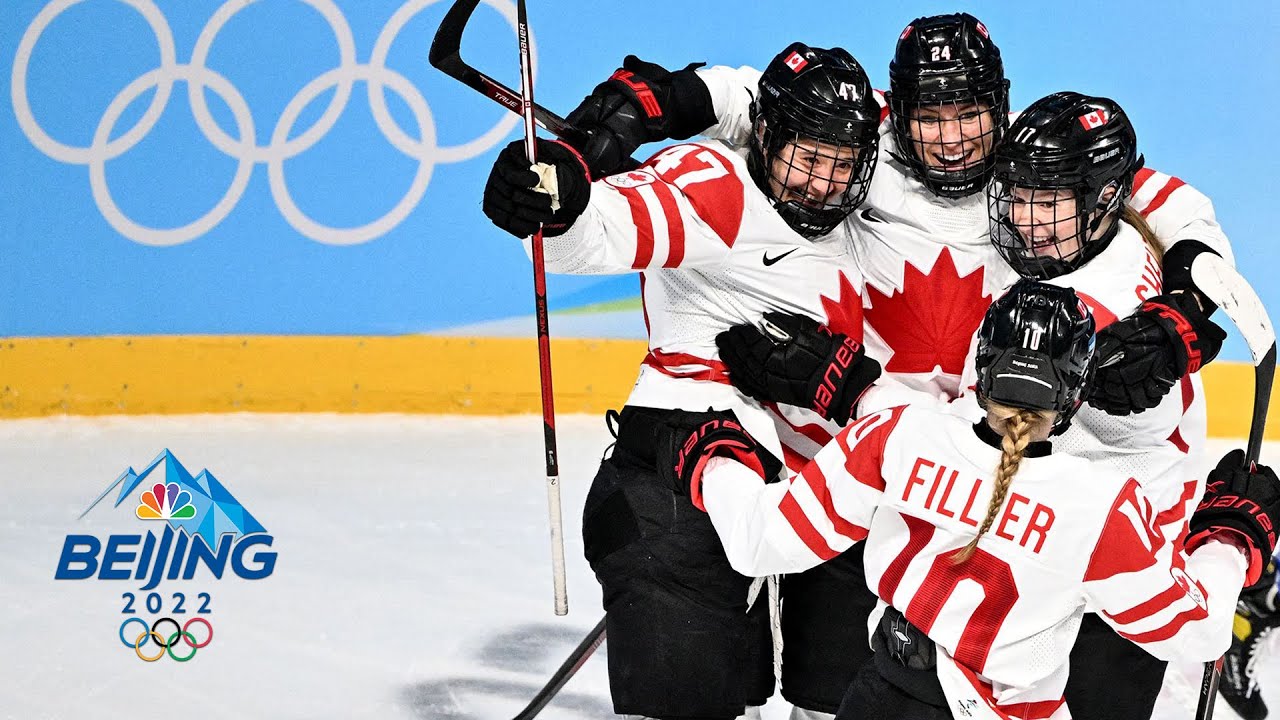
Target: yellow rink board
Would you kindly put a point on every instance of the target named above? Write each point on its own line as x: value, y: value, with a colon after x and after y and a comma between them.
x: 408, y: 373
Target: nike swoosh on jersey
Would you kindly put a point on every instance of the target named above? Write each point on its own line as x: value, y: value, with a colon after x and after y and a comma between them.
x: 869, y: 215
x: 769, y: 261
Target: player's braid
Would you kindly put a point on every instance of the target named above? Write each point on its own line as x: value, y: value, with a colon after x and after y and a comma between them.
x: 1017, y: 427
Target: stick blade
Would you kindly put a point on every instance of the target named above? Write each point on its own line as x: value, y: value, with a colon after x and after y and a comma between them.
x: 446, y: 47
x: 1226, y: 287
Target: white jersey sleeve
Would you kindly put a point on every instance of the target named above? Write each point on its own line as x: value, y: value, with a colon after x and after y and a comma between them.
x: 1177, y: 211
x: 732, y: 90
x: 809, y: 518
x: 1153, y: 594
x: 675, y: 211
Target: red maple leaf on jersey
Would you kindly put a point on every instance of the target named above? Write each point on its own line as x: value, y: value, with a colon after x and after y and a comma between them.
x: 844, y: 313
x: 932, y: 320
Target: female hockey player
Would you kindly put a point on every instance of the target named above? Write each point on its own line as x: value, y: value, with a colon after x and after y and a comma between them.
x: 720, y: 236
x: 983, y: 545
x: 923, y: 247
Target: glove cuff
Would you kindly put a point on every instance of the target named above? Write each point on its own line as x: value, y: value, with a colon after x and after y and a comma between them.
x: 1187, y: 326
x: 691, y: 108
x: 1236, y: 538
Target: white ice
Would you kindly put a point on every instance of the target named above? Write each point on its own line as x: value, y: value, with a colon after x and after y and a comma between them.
x: 413, y: 577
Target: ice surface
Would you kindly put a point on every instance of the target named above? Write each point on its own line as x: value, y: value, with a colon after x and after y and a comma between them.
x: 413, y: 578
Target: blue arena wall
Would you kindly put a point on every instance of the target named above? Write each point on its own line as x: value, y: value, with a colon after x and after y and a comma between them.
x: 131, y: 208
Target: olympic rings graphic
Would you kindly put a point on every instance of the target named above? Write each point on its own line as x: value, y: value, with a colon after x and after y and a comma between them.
x: 246, y: 149
x: 166, y: 643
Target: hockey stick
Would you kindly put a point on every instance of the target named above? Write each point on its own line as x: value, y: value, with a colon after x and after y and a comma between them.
x: 567, y: 670
x: 1225, y: 287
x: 446, y: 56
x: 544, y: 331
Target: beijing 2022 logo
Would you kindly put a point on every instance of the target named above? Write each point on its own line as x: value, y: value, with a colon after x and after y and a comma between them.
x: 190, y: 522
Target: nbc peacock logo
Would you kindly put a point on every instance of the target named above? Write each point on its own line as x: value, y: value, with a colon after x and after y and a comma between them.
x: 191, y: 522
x: 160, y: 501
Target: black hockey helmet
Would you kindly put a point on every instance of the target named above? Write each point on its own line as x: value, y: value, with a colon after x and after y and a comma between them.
x: 1035, y: 350
x: 944, y: 71
x: 815, y: 120
x: 1065, y: 145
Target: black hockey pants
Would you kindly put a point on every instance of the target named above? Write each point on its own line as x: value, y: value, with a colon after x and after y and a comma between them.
x: 682, y: 643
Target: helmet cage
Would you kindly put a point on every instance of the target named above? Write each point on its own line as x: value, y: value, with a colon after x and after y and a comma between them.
x: 1092, y: 212
x: 933, y: 125
x: 792, y: 155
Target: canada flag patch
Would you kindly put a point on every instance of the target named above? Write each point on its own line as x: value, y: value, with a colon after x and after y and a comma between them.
x: 905, y: 32
x: 1095, y: 119
x: 795, y: 61
x: 982, y: 30
x: 631, y: 179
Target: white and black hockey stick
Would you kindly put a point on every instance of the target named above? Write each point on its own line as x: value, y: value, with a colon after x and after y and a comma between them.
x: 1214, y: 277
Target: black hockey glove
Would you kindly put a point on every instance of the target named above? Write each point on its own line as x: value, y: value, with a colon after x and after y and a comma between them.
x: 640, y: 103
x: 513, y: 204
x: 796, y: 360
x: 1243, y: 502
x: 690, y: 439
x: 1142, y: 357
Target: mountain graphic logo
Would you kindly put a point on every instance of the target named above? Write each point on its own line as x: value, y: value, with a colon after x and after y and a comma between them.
x: 198, y: 504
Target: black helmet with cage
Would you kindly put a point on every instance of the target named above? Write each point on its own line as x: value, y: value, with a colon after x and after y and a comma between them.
x: 1060, y: 182
x: 948, y: 102
x: 1035, y: 350
x: 815, y: 125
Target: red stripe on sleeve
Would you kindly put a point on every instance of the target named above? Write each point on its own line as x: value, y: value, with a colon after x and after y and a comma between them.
x: 1162, y: 196
x: 817, y: 483
x: 644, y: 228
x: 818, y: 434
x: 675, y: 224
x: 1140, y: 178
x: 805, y: 529
x: 792, y: 458
x: 1169, y: 629
x: 1150, y: 607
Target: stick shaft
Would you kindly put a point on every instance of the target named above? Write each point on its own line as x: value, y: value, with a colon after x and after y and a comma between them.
x: 544, y: 332
x: 567, y: 670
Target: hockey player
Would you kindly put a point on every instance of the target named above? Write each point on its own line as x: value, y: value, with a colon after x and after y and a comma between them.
x: 984, y: 546
x: 931, y: 269
x: 720, y: 236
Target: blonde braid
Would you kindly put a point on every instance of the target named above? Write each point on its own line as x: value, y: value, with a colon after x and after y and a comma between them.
x: 1017, y: 427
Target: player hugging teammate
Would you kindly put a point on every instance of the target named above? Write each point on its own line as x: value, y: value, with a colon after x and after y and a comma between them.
x: 772, y: 306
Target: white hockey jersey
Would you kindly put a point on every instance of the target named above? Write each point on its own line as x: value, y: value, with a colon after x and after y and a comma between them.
x: 712, y: 253
x: 930, y: 268
x: 931, y: 271
x: 914, y: 484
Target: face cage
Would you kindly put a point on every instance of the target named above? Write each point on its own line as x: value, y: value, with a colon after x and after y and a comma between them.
x: 795, y: 166
x: 1051, y: 252
x: 980, y: 133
